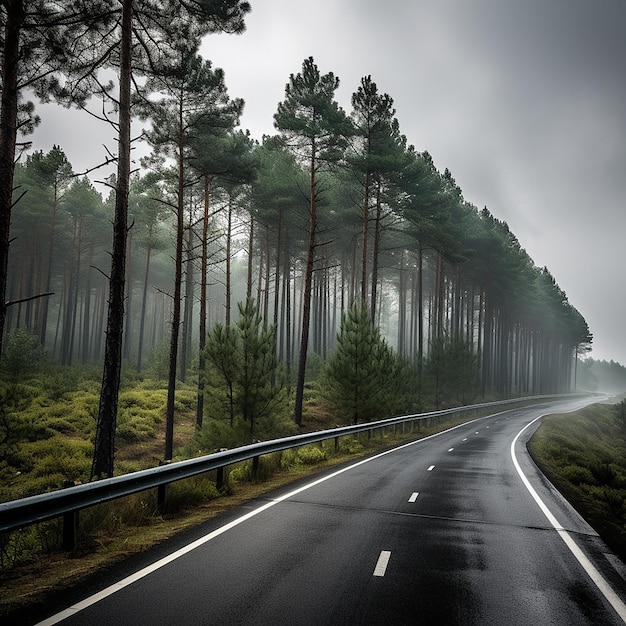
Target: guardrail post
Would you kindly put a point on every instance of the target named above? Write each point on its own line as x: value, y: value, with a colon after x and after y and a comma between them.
x: 336, y: 444
x: 162, y: 491
x: 219, y: 482
x: 255, y: 466
x: 70, y: 524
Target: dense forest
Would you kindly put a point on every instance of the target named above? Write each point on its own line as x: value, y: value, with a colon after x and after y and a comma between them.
x: 492, y: 299
x: 332, y: 252
x: 604, y: 376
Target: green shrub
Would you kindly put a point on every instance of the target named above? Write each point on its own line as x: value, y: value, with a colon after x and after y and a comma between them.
x: 311, y: 455
x: 615, y: 499
x: 350, y: 445
x: 603, y: 473
x: 306, y: 455
x: 185, y: 400
x: 110, y: 517
x: 240, y: 473
x: 578, y: 475
x: 217, y: 434
x: 23, y: 355
x: 24, y: 545
x: 139, y: 413
x: 134, y: 429
x: 68, y: 458
x: 244, y: 472
x: 620, y: 413
x: 190, y: 492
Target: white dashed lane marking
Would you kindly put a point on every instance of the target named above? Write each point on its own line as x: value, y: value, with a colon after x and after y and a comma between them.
x: 413, y: 497
x: 383, y: 561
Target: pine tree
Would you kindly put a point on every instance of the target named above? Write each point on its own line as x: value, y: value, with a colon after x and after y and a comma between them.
x: 278, y: 206
x: 373, y: 117
x: 315, y: 128
x: 359, y: 375
x: 193, y: 96
x: 42, y: 45
x: 258, y: 384
x: 221, y: 351
x: 244, y: 358
x: 160, y: 29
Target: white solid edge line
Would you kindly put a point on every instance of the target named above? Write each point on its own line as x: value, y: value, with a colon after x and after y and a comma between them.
x: 125, y: 582
x: 381, y: 564
x: 601, y: 583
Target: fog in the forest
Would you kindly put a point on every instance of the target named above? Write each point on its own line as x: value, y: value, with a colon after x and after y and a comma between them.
x: 524, y: 104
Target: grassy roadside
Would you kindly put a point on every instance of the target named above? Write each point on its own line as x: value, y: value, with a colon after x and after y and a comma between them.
x: 130, y: 526
x: 584, y: 455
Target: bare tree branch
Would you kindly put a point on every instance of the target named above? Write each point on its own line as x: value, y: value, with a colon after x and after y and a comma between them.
x: 39, y: 295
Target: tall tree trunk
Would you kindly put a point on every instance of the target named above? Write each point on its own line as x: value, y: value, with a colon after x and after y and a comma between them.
x: 287, y: 356
x: 46, y: 301
x: 87, y: 312
x: 229, y: 232
x: 8, y: 138
x: 250, y: 251
x: 420, y: 317
x: 306, y: 292
x: 352, y: 297
x: 71, y: 280
x: 376, y: 246
x: 178, y: 265
x: 57, y: 330
x: 259, y: 285
x: 440, y: 300
x: 74, y: 307
x: 203, y: 296
x: 98, y: 327
x: 266, y: 294
x: 129, y: 297
x: 144, y: 304
x: 185, y: 347
x: 401, y: 307
x: 104, y: 447
x: 366, y: 221
x: 277, y: 268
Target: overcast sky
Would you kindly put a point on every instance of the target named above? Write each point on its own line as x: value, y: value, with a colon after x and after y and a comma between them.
x: 523, y: 100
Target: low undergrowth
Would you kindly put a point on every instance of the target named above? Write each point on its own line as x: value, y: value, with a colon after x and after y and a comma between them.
x: 33, y: 566
x: 584, y: 455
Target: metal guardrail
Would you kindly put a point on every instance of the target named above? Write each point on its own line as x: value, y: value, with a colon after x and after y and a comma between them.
x: 17, y: 514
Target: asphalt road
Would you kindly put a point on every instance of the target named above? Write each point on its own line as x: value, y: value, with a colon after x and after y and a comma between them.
x: 442, y: 531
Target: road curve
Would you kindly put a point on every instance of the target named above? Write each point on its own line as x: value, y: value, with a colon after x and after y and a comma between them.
x: 459, y: 528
